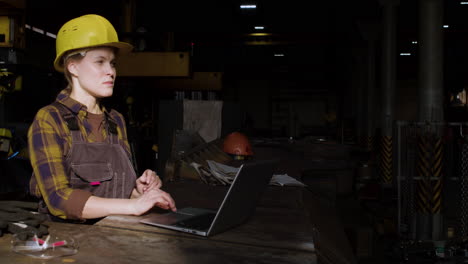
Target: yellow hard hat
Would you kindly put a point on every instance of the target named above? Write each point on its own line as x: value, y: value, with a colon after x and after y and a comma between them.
x: 86, y: 32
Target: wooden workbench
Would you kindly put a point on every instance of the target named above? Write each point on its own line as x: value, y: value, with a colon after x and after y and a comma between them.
x: 279, y: 232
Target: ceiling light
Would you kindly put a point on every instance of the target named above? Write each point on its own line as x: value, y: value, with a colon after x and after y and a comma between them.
x: 463, y: 3
x: 259, y: 27
x: 279, y: 55
x: 414, y: 42
x: 38, y: 30
x: 248, y: 6
x: 446, y: 26
x: 51, y: 35
x: 405, y: 54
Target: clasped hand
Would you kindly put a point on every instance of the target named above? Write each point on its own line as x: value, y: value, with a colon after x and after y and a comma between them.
x: 148, y: 180
x: 148, y: 193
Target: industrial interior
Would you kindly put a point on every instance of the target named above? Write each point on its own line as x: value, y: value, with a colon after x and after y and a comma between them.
x: 363, y: 102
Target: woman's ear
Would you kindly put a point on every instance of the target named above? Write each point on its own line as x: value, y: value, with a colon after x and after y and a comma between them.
x: 71, y: 67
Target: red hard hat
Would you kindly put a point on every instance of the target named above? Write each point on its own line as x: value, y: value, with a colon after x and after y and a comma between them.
x: 237, y: 143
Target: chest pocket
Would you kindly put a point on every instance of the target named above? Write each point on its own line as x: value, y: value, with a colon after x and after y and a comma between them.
x: 102, y: 168
x: 89, y: 176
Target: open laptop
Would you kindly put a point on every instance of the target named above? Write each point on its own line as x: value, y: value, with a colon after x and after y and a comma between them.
x: 238, y: 205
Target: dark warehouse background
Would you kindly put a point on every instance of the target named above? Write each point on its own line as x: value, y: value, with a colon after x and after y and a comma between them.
x: 322, y: 45
x: 313, y: 71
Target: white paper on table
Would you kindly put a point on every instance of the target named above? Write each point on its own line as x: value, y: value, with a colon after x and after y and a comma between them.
x: 228, y: 172
x: 285, y: 180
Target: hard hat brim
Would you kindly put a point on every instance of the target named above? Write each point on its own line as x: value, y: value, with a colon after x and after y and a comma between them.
x: 122, y: 47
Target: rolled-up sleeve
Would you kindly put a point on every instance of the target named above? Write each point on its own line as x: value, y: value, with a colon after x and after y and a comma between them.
x: 46, y: 150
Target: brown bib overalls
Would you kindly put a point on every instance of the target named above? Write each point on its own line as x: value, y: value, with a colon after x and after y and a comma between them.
x: 102, y: 168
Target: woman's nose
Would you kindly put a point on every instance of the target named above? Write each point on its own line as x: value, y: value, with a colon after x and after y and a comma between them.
x: 110, y: 70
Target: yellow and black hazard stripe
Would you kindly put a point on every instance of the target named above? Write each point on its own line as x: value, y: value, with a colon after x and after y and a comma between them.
x: 423, y: 191
x: 369, y: 143
x: 429, y: 169
x: 437, y: 167
x: 386, y: 159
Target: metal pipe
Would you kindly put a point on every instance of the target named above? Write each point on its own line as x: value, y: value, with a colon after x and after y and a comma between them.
x: 399, y: 178
x: 430, y: 60
x: 431, y: 85
x: 360, y: 82
x: 369, y: 31
x: 370, y: 91
x: 388, y: 65
x: 128, y: 9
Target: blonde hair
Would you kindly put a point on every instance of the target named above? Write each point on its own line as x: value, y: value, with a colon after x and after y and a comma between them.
x: 71, y: 56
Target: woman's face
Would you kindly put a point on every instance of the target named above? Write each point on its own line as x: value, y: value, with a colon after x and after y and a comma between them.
x: 95, y: 72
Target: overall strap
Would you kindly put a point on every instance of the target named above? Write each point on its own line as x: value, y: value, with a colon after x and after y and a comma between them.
x: 111, y: 129
x: 71, y: 120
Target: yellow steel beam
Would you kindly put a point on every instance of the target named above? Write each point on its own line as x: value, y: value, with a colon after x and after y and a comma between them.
x: 161, y: 64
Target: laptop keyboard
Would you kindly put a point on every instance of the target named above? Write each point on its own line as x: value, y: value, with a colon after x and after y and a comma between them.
x: 200, y: 222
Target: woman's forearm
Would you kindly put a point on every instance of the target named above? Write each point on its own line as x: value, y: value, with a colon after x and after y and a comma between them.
x: 97, y: 207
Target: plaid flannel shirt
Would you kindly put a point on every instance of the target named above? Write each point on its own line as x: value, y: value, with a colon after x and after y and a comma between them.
x: 49, y: 141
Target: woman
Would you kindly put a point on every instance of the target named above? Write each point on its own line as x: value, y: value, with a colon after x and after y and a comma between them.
x: 78, y: 149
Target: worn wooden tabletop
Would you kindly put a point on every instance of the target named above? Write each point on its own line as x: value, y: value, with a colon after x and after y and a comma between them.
x: 279, y: 232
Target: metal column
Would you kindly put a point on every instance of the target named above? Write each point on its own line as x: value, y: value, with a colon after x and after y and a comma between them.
x: 370, y: 33
x: 128, y: 19
x: 370, y: 102
x: 430, y: 110
x: 421, y: 168
x: 388, y: 90
x: 464, y: 191
x: 431, y: 60
x: 360, y: 82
